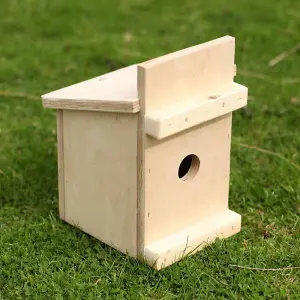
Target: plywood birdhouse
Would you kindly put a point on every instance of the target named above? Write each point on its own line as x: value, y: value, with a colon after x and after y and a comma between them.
x: 144, y: 153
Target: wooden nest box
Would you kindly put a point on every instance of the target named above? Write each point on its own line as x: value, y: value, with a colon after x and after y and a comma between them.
x: 144, y: 153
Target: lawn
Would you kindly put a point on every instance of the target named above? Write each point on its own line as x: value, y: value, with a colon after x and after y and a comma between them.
x: 46, y: 45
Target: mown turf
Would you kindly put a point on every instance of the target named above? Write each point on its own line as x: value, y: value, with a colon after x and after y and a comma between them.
x: 46, y: 45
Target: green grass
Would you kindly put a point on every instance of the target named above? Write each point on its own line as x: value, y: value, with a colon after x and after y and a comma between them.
x: 46, y: 45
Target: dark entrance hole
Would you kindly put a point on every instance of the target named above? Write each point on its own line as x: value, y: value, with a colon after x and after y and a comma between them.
x: 189, y: 167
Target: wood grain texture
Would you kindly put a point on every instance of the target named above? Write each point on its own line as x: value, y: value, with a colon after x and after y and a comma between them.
x: 171, y: 120
x: 115, y: 92
x: 187, y: 241
x: 141, y: 165
x: 122, y: 185
x: 189, y: 75
x: 100, y: 159
x: 60, y: 161
x: 172, y: 204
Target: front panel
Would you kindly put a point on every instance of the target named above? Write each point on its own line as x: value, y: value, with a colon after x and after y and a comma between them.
x: 186, y: 178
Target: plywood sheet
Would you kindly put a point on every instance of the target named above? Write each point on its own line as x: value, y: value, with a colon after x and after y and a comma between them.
x: 115, y: 91
x: 100, y: 168
x: 189, y: 75
x: 172, y: 204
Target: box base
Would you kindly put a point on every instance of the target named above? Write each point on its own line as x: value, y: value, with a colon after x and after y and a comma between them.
x: 174, y: 247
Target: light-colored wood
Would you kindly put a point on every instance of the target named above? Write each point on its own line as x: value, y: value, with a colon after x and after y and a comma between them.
x: 115, y: 91
x: 168, y: 87
x: 172, y: 204
x: 172, y: 248
x: 189, y: 75
x: 141, y: 166
x: 174, y: 119
x: 122, y: 138
x: 100, y: 159
x: 60, y: 161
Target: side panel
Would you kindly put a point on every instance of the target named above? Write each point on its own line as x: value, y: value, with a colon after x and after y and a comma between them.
x: 100, y: 171
x: 60, y: 161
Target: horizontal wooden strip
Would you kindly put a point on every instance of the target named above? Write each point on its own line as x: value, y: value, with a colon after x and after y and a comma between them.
x: 174, y: 247
x: 174, y: 119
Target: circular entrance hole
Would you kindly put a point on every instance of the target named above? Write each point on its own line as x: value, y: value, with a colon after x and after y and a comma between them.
x: 189, y: 167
